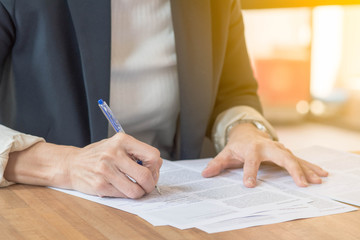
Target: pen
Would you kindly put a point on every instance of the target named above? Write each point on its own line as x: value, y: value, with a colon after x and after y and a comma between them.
x: 116, y: 125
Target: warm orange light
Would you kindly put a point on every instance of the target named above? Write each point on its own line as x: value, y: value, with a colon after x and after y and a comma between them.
x: 326, y: 49
x: 302, y: 107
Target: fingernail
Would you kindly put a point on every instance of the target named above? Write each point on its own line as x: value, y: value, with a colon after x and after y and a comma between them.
x: 250, y: 181
x: 303, y: 180
x: 315, y: 178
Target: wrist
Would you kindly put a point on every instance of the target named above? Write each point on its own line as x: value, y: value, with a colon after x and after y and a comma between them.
x: 62, y: 172
x: 246, y: 128
x: 43, y: 164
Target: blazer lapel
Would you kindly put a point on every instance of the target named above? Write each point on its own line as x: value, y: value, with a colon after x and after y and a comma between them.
x: 92, y: 24
x: 193, y: 39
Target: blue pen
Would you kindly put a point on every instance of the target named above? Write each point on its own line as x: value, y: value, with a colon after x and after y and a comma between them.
x: 112, y: 120
x: 116, y: 125
x: 110, y: 116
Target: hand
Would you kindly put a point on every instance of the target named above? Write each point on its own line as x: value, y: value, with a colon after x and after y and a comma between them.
x: 248, y: 147
x: 100, y: 168
x: 104, y: 168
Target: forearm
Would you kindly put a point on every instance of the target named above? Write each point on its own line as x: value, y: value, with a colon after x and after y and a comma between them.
x: 41, y: 164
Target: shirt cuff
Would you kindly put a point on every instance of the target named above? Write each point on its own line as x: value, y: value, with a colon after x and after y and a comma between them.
x: 230, y: 116
x: 12, y: 141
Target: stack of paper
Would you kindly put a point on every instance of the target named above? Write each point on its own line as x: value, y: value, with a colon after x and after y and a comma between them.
x: 222, y: 203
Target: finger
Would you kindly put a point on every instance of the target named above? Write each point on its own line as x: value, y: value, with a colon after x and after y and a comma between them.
x: 156, y: 176
x: 142, y: 175
x: 251, y: 168
x: 156, y: 171
x: 119, y: 181
x: 222, y: 161
x: 284, y: 158
x: 129, y: 188
x: 108, y: 190
x: 149, y: 155
x: 316, y: 169
x: 311, y: 176
x: 293, y: 167
x: 214, y: 167
x: 312, y: 171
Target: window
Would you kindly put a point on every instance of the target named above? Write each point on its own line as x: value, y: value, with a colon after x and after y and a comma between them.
x: 307, y: 62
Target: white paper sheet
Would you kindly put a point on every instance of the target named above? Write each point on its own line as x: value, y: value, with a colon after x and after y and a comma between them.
x: 343, y: 182
x: 222, y: 203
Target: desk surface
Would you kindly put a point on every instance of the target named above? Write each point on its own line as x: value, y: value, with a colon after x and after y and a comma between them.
x: 29, y: 212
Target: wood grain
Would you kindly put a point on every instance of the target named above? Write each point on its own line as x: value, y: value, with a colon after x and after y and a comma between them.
x: 30, y: 212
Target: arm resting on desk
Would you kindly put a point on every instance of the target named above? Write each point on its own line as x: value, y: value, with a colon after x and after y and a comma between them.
x: 101, y: 168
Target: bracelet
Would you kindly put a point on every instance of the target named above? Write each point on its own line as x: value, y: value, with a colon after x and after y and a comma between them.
x: 259, y: 125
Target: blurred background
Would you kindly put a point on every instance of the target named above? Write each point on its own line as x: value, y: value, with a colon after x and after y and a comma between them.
x: 306, y: 58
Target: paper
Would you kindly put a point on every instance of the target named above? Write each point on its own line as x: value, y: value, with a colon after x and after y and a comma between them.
x: 344, y: 174
x: 222, y: 203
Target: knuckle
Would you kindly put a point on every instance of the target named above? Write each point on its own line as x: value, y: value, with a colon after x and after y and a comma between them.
x: 122, y: 138
x: 154, y: 153
x: 102, y: 167
x: 290, y: 160
x: 99, y: 186
x: 104, y: 155
x: 282, y: 147
x: 160, y: 161
x: 255, y: 147
x: 254, y: 153
x: 252, y: 162
x: 293, y: 167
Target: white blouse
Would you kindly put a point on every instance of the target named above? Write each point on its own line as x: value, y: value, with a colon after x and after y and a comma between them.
x: 144, y: 91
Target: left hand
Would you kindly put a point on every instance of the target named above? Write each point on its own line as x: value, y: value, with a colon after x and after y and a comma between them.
x: 248, y: 147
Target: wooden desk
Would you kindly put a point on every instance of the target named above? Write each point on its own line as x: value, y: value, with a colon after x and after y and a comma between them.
x: 29, y: 212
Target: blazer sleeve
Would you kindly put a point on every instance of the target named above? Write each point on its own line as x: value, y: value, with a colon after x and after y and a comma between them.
x: 7, y: 36
x: 237, y: 86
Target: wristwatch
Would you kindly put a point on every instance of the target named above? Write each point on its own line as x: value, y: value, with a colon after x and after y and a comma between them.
x: 259, y: 125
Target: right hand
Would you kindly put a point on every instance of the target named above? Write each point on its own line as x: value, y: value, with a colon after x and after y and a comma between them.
x: 102, y: 168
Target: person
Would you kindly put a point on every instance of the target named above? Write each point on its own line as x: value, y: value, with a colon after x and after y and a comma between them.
x: 175, y: 72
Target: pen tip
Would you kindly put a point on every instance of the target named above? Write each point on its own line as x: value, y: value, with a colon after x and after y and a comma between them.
x: 157, y: 189
x: 100, y: 101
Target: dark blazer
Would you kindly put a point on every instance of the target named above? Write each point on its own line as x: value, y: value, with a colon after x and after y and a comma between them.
x: 55, y: 65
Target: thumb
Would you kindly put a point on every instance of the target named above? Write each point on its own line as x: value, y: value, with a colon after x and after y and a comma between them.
x: 215, y: 166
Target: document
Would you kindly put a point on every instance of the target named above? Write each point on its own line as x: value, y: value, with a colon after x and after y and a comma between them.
x: 344, y: 174
x: 223, y: 203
